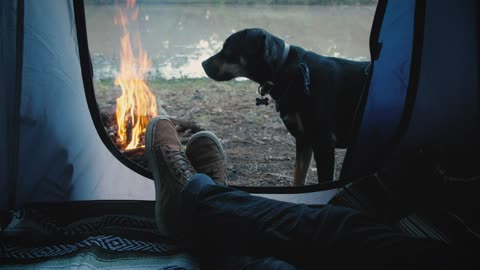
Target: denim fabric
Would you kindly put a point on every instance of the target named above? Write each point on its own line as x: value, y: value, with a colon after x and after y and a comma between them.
x: 219, y: 220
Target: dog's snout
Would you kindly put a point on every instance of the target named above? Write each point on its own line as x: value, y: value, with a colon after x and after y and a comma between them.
x: 210, y: 69
x: 210, y: 62
x: 218, y: 69
x: 205, y: 64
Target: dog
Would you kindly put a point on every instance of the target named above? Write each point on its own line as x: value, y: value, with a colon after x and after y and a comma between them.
x: 316, y: 96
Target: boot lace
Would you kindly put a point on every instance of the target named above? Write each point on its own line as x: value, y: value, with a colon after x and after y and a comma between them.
x: 180, y: 164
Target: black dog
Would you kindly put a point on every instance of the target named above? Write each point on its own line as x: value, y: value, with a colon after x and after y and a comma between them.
x: 316, y: 96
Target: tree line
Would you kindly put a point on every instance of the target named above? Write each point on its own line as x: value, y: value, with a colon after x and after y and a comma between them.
x: 241, y: 2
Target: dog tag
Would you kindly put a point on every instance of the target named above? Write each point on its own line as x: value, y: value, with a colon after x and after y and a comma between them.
x: 261, y: 101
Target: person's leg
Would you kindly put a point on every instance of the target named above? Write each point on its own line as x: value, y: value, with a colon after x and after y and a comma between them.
x: 217, y: 219
x: 172, y: 170
x: 220, y: 220
x: 254, y: 223
x: 224, y: 220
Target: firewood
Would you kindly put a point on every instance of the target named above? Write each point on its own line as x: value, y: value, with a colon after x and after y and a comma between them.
x: 184, y: 125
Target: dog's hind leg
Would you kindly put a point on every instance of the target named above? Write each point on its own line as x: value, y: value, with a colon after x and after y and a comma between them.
x: 303, y: 157
x: 325, y: 159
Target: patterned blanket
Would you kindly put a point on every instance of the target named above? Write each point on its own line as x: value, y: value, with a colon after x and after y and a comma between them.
x: 89, y: 235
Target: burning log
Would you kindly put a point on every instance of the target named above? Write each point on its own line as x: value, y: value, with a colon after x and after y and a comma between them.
x: 185, y: 129
x: 136, y: 155
x: 107, y: 114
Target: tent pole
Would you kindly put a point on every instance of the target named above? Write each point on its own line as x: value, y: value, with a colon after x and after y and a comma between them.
x: 15, y: 124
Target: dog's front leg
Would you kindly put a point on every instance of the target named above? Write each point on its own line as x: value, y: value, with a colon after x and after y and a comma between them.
x: 303, y: 158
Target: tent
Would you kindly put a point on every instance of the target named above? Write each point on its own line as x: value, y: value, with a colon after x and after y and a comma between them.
x: 56, y: 160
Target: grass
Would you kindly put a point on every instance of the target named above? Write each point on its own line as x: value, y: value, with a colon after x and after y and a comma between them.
x: 187, y: 83
x: 162, y: 86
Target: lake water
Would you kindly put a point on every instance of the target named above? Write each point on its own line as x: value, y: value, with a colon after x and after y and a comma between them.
x: 179, y: 37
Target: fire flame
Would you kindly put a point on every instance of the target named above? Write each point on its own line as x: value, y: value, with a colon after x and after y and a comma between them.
x: 137, y: 104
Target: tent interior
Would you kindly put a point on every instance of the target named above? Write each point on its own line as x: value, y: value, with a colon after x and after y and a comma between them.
x: 68, y: 197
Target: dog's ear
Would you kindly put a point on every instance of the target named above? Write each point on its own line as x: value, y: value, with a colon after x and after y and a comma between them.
x: 272, y: 49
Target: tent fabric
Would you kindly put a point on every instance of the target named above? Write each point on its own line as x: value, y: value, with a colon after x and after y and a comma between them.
x: 424, y: 90
x: 60, y: 156
x: 429, y: 105
x: 387, y: 90
x: 8, y: 84
x: 446, y: 109
x: 52, y: 151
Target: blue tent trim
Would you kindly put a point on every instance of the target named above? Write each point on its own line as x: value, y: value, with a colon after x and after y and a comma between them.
x: 395, y: 50
x: 375, y: 48
x: 416, y: 63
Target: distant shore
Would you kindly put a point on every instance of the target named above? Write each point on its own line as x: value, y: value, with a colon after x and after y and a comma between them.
x: 242, y: 2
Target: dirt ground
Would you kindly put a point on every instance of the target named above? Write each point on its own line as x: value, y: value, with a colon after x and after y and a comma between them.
x: 259, y: 149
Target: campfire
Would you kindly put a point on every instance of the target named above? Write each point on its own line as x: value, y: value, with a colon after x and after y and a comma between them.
x: 137, y: 104
x: 126, y: 123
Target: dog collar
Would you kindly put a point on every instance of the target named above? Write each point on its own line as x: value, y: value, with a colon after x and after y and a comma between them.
x: 263, y: 90
x: 267, y: 87
x: 286, y: 50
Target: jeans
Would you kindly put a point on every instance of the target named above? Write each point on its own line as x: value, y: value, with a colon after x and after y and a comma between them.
x: 251, y: 232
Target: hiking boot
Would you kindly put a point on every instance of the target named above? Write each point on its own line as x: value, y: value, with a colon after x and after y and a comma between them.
x: 205, y: 153
x: 170, y: 168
